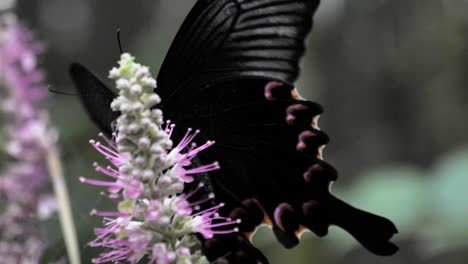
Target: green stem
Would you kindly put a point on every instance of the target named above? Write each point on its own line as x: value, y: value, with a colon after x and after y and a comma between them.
x: 64, y: 207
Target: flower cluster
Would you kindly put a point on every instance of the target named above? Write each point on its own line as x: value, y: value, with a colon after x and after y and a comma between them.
x: 24, y: 183
x: 155, y: 218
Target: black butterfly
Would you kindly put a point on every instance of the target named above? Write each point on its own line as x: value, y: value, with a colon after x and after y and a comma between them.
x: 230, y: 73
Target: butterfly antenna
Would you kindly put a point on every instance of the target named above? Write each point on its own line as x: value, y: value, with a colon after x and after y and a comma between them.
x: 118, y: 41
x: 60, y: 92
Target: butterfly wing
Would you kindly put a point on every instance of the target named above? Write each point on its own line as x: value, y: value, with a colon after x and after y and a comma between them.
x: 95, y: 96
x: 222, y: 40
x: 272, y: 172
x: 218, y: 77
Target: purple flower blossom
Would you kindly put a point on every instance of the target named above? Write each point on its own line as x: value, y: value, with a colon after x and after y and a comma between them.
x: 18, y: 65
x: 24, y: 183
x: 134, y: 243
x: 146, y: 177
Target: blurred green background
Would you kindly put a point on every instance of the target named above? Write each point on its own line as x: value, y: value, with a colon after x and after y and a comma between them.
x: 391, y: 74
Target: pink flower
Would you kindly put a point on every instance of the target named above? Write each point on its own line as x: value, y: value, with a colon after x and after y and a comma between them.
x: 147, y: 177
x: 18, y: 64
x: 25, y: 180
x: 122, y: 235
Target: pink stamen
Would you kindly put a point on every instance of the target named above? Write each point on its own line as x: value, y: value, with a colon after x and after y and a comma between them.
x: 205, y: 168
x: 99, y: 147
x: 97, y: 182
x: 108, y: 141
x: 218, y: 218
x: 112, y: 196
x: 188, y: 137
x: 210, y: 196
x: 195, y: 151
x: 224, y: 223
x: 191, y: 193
x: 107, y: 214
x: 192, y: 147
x: 107, y: 172
x: 109, y: 150
x: 235, y: 230
x: 209, y: 210
x: 168, y: 123
x: 171, y: 129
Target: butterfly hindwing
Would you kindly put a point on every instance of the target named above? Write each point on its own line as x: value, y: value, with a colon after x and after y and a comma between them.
x: 272, y: 171
x: 95, y: 96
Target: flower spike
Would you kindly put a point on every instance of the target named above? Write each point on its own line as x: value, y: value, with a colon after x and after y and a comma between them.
x: 147, y: 176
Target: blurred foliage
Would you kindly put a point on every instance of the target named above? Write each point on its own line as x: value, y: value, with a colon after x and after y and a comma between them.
x: 391, y: 74
x: 431, y: 209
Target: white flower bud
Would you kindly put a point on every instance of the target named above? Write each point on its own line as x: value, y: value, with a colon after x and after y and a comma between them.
x: 122, y: 84
x: 126, y: 57
x: 144, y: 142
x: 156, y: 149
x: 125, y: 169
x: 124, y: 107
x: 136, y: 89
x: 119, y: 139
x: 140, y: 161
x: 134, y: 128
x: 154, y: 99
x: 137, y: 106
x: 115, y: 105
x: 178, y: 187
x: 156, y: 113
x: 160, y: 135
x: 136, y: 173
x: 142, y: 71
x: 154, y: 129
x: 122, y: 129
x: 167, y: 144
x: 164, y: 221
x: 114, y: 73
x: 164, y: 181
x: 171, y: 256
x: 148, y: 174
x: 148, y: 82
x: 146, y: 122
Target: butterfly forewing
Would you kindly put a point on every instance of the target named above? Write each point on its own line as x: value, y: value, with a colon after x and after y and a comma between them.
x: 95, y: 96
x: 226, y: 39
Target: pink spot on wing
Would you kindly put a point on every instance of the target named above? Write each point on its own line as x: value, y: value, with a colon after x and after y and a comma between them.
x: 301, y: 144
x: 279, y: 211
x: 290, y: 117
x: 269, y: 87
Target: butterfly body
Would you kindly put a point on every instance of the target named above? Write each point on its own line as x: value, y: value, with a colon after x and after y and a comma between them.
x: 230, y: 73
